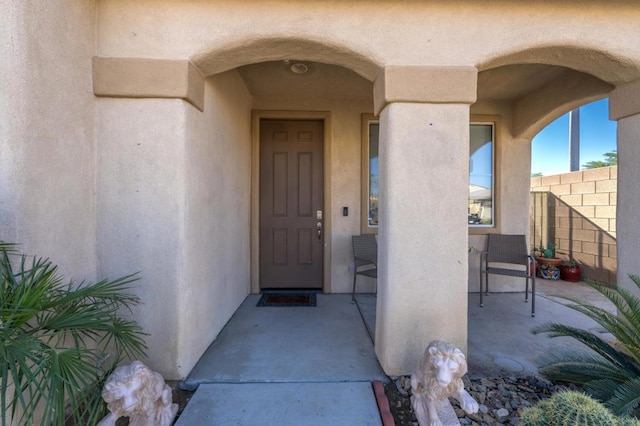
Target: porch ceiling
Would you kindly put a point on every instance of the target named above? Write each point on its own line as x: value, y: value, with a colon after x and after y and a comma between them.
x: 515, y: 81
x: 274, y: 79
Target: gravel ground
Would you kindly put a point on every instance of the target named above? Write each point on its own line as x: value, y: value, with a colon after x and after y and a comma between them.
x: 501, y: 399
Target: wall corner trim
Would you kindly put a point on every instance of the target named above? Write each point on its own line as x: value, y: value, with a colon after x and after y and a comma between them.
x: 148, y: 78
x: 425, y: 84
x: 624, y: 101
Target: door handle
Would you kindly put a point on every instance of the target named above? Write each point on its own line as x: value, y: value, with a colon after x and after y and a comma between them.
x: 319, y: 231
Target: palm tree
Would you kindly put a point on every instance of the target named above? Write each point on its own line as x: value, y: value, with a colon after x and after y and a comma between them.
x: 609, y: 372
x: 59, y: 341
x: 610, y: 159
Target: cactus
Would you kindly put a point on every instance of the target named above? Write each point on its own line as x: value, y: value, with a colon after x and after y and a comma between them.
x: 575, y: 408
x: 536, y: 415
x: 570, y: 408
x: 628, y: 421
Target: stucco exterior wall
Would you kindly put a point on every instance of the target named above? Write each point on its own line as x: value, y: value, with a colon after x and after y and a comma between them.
x: 174, y: 197
x: 216, y: 240
x: 140, y: 192
x: 47, y: 138
x: 422, y: 32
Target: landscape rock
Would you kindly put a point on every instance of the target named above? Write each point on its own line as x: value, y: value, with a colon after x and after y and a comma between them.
x: 501, y: 399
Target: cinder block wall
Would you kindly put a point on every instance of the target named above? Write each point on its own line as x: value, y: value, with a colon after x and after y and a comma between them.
x: 577, y: 212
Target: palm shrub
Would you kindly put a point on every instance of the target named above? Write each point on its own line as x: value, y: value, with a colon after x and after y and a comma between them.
x: 609, y: 372
x: 59, y: 341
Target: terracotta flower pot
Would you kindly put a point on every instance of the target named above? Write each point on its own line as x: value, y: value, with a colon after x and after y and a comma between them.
x: 570, y: 273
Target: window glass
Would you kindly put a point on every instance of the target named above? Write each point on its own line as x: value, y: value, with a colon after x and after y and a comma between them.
x: 374, y: 130
x: 481, y: 175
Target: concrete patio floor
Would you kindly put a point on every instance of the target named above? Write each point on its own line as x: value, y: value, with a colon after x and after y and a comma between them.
x: 315, y: 365
x: 500, y: 341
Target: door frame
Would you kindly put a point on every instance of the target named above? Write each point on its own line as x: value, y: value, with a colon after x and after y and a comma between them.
x: 256, y: 116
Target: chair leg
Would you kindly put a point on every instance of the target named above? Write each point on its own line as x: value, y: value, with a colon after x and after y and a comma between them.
x: 353, y: 291
x: 481, y: 304
x: 526, y: 291
x: 533, y: 296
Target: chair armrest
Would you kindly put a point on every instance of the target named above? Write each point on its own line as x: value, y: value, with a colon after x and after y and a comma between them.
x: 483, y: 260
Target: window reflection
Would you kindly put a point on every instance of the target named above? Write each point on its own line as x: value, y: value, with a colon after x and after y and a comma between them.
x: 481, y: 163
x: 374, y: 130
x: 481, y: 174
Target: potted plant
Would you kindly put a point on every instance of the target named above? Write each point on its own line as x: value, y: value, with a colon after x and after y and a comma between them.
x: 549, y: 272
x: 570, y: 271
x: 548, y: 257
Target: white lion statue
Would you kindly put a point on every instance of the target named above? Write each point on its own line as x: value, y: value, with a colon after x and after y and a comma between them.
x: 438, y: 377
x: 136, y: 392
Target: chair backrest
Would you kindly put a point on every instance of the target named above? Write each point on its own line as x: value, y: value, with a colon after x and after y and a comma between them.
x: 365, y: 247
x: 507, y: 249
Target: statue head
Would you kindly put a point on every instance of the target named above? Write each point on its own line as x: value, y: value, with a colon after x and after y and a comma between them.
x: 131, y: 390
x: 446, y: 361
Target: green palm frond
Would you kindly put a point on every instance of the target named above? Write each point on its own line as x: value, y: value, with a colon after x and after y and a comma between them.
x: 626, y: 397
x: 609, y: 371
x: 59, y: 341
x: 591, y: 341
x: 602, y: 389
x: 578, y: 366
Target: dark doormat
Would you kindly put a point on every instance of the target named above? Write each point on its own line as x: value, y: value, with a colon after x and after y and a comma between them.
x: 287, y: 299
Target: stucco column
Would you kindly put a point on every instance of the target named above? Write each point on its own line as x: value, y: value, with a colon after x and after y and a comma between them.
x: 624, y: 106
x: 423, y: 238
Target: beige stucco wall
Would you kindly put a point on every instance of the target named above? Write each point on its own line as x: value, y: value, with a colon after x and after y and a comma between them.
x: 422, y: 146
x: 47, y: 138
x: 216, y: 218
x: 423, y: 32
x: 174, y: 197
x: 141, y: 188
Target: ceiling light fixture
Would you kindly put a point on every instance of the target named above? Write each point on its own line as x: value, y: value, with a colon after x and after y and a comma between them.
x: 299, y: 68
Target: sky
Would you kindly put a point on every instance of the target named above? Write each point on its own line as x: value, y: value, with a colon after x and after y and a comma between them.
x: 550, y: 147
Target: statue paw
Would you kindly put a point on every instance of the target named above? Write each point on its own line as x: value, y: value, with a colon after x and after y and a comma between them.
x: 469, y: 405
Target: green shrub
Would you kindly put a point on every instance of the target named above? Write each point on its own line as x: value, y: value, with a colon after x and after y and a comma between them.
x: 609, y: 373
x: 59, y: 341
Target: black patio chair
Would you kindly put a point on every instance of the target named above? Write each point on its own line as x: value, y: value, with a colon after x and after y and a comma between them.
x: 365, y: 258
x: 510, y: 251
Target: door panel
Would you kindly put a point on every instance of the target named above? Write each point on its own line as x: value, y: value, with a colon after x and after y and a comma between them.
x: 291, y: 194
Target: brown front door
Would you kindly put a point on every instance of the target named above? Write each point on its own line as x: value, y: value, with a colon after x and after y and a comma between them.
x: 291, y: 203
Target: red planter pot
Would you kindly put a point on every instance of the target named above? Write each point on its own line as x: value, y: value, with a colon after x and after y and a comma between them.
x: 570, y: 273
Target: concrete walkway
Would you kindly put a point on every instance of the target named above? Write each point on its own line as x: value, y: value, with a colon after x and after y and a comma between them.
x: 288, y: 366
x: 315, y: 365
